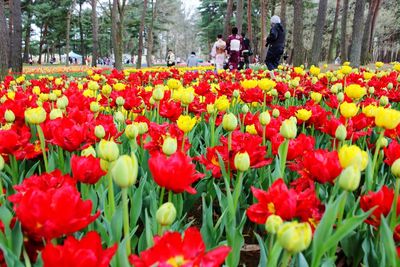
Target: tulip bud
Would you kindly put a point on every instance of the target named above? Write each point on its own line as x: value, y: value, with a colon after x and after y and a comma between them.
x: 390, y: 86
x: 210, y: 109
x: 120, y: 101
x: 52, y: 96
x: 94, y: 107
x: 99, y: 131
x: 56, y: 113
x: 108, y: 150
x: 229, y: 122
x: 62, y: 102
x: 288, y: 129
x: 106, y: 90
x: 340, y: 97
x: 131, y: 131
x: 349, y: 179
x: 170, y: 145
x: 9, y: 115
x: 242, y: 161
x: 236, y: 93
x: 125, y: 171
x: 166, y: 214
x: 104, y: 165
x: 341, y: 132
x: 382, y: 142
x: 371, y: 90
x: 264, y: 118
x: 158, y: 93
x: 89, y: 151
x: 295, y: 237
x: 1, y: 164
x: 287, y: 95
x: 245, y: 108
x: 274, y: 92
x: 92, y: 85
x: 396, y: 168
x: 273, y: 223
x: 275, y: 113
x: 142, y: 127
x: 119, y: 117
x: 383, y: 101
x: 187, y: 97
x: 35, y: 115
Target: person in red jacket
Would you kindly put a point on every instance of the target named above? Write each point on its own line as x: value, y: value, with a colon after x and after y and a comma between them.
x: 234, y: 47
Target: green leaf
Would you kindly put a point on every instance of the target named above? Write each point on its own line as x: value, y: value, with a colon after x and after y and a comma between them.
x: 388, y: 247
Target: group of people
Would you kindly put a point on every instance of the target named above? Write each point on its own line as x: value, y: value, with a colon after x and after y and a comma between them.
x: 235, y: 52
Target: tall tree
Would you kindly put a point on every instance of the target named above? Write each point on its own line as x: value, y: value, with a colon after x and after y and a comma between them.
x: 319, y: 32
x: 264, y: 8
x: 356, y: 39
x: 67, y: 37
x: 150, y: 39
x: 82, y: 43
x: 368, y: 31
x: 141, y: 35
x: 249, y: 26
x: 28, y: 29
x: 298, y: 47
x: 95, y: 31
x: 117, y: 26
x: 239, y: 15
x: 228, y: 16
x: 16, y: 40
x: 283, y: 12
x: 343, y: 31
x: 333, y: 34
x: 4, y: 44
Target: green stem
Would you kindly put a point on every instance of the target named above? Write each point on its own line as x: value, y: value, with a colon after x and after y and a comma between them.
x: 285, y: 147
x: 212, y: 121
x: 26, y: 258
x: 61, y: 158
x: 42, y: 146
x: 238, y: 190
x: 393, y: 217
x: 111, y: 200
x: 376, y: 153
x: 263, y: 133
x: 125, y: 201
x: 285, y: 259
x: 161, y: 200
x: 169, y: 195
x: 183, y: 143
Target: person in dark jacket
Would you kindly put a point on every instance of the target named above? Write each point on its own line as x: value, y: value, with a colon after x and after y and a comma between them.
x: 276, y: 43
x: 246, y: 52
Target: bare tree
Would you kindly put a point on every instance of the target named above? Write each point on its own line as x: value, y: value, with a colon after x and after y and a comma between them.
x: 343, y: 31
x: 150, y: 39
x: 28, y: 29
x: 239, y: 15
x: 264, y: 8
x: 16, y: 40
x: 249, y: 28
x: 333, y: 35
x: 95, y: 32
x: 4, y: 44
x: 368, y: 31
x: 298, y: 47
x: 319, y: 32
x: 67, y: 37
x: 283, y: 12
x: 141, y: 35
x: 356, y: 40
x: 227, y: 22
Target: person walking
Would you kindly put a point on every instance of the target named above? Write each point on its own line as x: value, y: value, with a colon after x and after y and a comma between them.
x: 246, y: 52
x: 234, y: 47
x: 170, y: 59
x: 275, y: 42
x: 192, y: 60
x: 218, y: 53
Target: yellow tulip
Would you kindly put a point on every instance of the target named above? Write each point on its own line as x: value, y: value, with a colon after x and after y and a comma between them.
x: 355, y: 91
x: 348, y: 110
x: 387, y: 118
x: 353, y: 156
x: 303, y: 114
x: 186, y: 123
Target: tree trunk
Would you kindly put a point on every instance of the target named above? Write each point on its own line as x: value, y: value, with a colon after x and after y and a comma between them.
x: 356, y: 40
x: 4, y: 44
x: 16, y: 41
x: 150, y: 39
x: 28, y: 33
x: 95, y: 33
x: 239, y: 15
x: 67, y: 37
x: 10, y: 32
x: 298, y: 53
x: 283, y: 12
x: 249, y: 24
x: 343, y: 31
x: 373, y: 23
x: 116, y: 30
x: 367, y: 30
x: 319, y: 32
x: 141, y: 33
x: 333, y: 35
x: 264, y: 8
x: 228, y: 16
x: 273, y: 6
x: 83, y: 52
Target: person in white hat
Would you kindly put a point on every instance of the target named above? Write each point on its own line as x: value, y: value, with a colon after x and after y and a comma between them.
x: 275, y: 43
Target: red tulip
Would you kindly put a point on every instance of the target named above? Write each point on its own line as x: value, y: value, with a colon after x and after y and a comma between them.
x: 86, y: 252
x: 174, y: 250
x: 68, y: 134
x: 321, y: 165
x: 86, y: 169
x: 392, y: 152
x: 50, y: 206
x: 175, y: 173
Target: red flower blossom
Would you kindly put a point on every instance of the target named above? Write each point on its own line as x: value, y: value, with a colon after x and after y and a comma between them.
x: 86, y: 252
x: 86, y: 169
x: 174, y: 250
x: 49, y: 206
x: 382, y: 200
x: 68, y: 134
x: 278, y: 200
x: 392, y: 152
x: 176, y: 173
x: 321, y: 165
x: 159, y: 132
